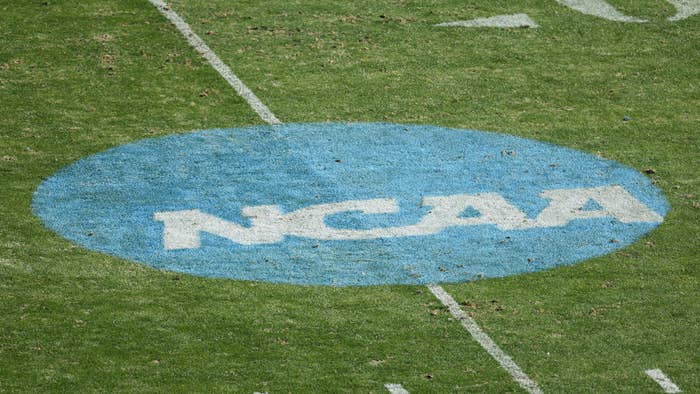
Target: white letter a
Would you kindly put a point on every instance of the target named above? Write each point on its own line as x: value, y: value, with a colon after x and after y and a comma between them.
x: 616, y: 202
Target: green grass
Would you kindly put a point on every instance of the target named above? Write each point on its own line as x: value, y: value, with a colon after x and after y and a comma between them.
x: 79, y: 77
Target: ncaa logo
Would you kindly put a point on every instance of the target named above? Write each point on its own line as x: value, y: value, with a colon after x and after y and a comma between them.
x: 349, y: 204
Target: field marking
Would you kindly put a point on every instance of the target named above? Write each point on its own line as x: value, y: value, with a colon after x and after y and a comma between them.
x: 684, y: 9
x: 485, y: 341
x: 477, y: 333
x: 505, y: 21
x: 663, y: 381
x: 395, y: 388
x: 601, y: 9
x: 181, y: 229
x: 200, y: 46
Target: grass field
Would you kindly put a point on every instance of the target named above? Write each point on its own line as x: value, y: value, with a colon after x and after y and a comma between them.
x: 77, y: 78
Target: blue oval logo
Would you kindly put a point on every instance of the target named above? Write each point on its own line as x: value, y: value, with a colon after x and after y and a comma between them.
x: 349, y: 204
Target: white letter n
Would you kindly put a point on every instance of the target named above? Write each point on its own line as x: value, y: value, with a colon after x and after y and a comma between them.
x: 182, y: 228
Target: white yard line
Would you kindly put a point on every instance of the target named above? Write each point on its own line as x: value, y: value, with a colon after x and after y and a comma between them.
x: 265, y: 114
x: 485, y: 341
x: 395, y: 388
x: 201, y: 47
x: 666, y: 384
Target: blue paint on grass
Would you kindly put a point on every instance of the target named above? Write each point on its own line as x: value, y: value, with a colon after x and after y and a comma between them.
x: 106, y: 202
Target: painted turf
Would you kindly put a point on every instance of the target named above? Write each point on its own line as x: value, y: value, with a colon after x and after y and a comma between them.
x: 598, y: 8
x: 662, y: 380
x: 107, y: 202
